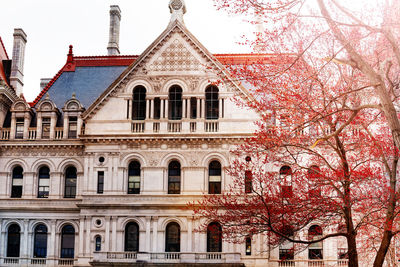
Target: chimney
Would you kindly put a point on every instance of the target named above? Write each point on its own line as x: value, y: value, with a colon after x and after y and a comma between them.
x: 44, y: 82
x: 18, y: 57
x: 115, y: 19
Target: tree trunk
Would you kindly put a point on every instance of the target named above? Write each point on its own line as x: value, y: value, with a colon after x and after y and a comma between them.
x: 383, y: 249
x: 352, y: 249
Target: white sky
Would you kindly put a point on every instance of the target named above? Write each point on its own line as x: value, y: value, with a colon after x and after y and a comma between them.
x: 52, y: 25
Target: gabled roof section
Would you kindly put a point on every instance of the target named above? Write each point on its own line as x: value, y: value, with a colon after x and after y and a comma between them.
x: 143, y: 58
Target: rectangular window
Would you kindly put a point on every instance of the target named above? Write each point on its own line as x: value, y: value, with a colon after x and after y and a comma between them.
x: 45, y: 128
x: 214, y: 184
x: 134, y: 185
x: 73, y: 127
x: 286, y: 254
x: 248, y: 246
x: 157, y: 108
x: 44, y: 187
x: 16, y: 190
x: 19, y: 130
x: 248, y: 176
x: 193, y: 108
x: 100, y: 182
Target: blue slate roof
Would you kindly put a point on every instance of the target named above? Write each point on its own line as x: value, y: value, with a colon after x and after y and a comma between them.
x: 86, y: 82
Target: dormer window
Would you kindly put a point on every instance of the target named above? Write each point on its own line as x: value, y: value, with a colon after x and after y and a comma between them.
x: 175, y: 103
x: 19, y: 129
x: 139, y: 103
x: 212, y: 104
x: 45, y: 128
x: 72, y: 127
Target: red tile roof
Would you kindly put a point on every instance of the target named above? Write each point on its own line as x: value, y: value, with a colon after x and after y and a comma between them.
x: 3, y: 56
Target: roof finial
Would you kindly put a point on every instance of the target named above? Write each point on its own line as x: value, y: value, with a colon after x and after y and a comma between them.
x: 70, y: 57
x: 177, y: 9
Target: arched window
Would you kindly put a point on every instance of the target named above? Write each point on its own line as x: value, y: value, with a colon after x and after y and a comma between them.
x: 175, y: 103
x: 70, y: 183
x: 40, y: 241
x: 174, y: 177
x: 134, y: 178
x: 17, y: 182
x: 212, y: 104
x: 67, y: 242
x: 139, y: 103
x: 315, y: 250
x: 44, y: 182
x: 132, y: 237
x: 173, y: 237
x: 97, y: 243
x: 13, y: 240
x: 214, y: 237
x: 214, y: 177
x: 248, y: 181
x: 285, y: 175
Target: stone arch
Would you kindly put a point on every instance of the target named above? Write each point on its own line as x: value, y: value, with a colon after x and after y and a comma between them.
x: 215, y: 156
x: 41, y: 162
x: 61, y: 224
x: 70, y: 162
x: 168, y: 220
x: 173, y: 156
x: 139, y: 222
x: 33, y: 224
x: 143, y: 82
x: 16, y: 162
x: 131, y: 157
x: 175, y: 81
x: 213, y: 81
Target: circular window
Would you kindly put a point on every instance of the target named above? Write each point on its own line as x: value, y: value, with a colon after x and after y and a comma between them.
x: 248, y: 158
x: 101, y: 159
x: 98, y: 222
x: 176, y: 4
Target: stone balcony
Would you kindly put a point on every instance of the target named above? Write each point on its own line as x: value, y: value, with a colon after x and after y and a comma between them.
x: 125, y: 258
x: 8, y: 261
x: 309, y: 263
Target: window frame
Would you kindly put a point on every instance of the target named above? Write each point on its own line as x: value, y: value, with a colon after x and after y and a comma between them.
x: 71, y: 188
x: 17, y: 190
x: 67, y: 252
x: 212, y: 102
x: 214, y: 187
x: 131, y: 237
x: 100, y: 182
x: 171, y: 236
x: 175, y: 102
x: 211, y: 245
x: 173, y: 179
x: 37, y: 248
x: 139, y: 103
x: 43, y: 193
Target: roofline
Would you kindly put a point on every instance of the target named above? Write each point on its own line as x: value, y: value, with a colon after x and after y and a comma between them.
x: 4, y: 48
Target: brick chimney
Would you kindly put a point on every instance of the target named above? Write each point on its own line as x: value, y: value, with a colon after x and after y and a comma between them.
x: 18, y: 58
x: 115, y: 19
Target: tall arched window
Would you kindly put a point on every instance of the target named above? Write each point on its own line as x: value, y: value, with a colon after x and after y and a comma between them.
x: 314, y: 182
x: 70, y: 182
x: 67, y: 242
x: 134, y: 178
x: 139, y: 103
x: 40, y: 241
x: 175, y: 103
x: 97, y: 243
x: 248, y: 246
x: 132, y: 237
x: 173, y: 237
x: 214, y: 177
x: 286, y: 248
x: 212, y: 103
x: 17, y: 182
x: 13, y: 240
x: 214, y: 237
x: 44, y: 182
x: 285, y: 176
x: 315, y: 250
x: 174, y: 177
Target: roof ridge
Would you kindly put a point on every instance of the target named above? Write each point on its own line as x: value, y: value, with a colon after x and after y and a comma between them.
x: 4, y: 48
x: 105, y: 56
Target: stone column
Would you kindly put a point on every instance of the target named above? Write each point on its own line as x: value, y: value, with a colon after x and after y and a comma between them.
x: 52, y: 242
x: 27, y: 121
x: 189, y: 234
x: 2, y: 239
x: 24, y: 243
x: 148, y: 234
x: 88, y: 237
x: 203, y: 108
x: 79, y: 126
x: 13, y: 126
x: 189, y: 105
x: 155, y: 233
x: 198, y: 108
x: 65, y: 125
x: 114, y: 234
x: 220, y: 108
x: 183, y: 108
x: 151, y: 108
x: 107, y: 235
x: 39, y: 126
x: 81, y: 236
x: 162, y: 108
x: 53, y: 122
x: 147, y: 108
x: 166, y: 109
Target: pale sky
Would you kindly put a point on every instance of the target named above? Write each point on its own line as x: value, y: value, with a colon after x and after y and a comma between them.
x: 52, y: 25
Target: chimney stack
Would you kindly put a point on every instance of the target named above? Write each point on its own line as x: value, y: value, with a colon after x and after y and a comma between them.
x: 18, y: 58
x: 115, y: 19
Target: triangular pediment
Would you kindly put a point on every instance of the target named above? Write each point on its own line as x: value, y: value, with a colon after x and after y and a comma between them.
x: 176, y: 51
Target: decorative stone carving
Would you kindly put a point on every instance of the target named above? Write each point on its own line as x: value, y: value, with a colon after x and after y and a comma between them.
x: 176, y: 57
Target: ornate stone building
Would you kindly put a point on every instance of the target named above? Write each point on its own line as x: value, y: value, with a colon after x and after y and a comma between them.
x: 98, y: 169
